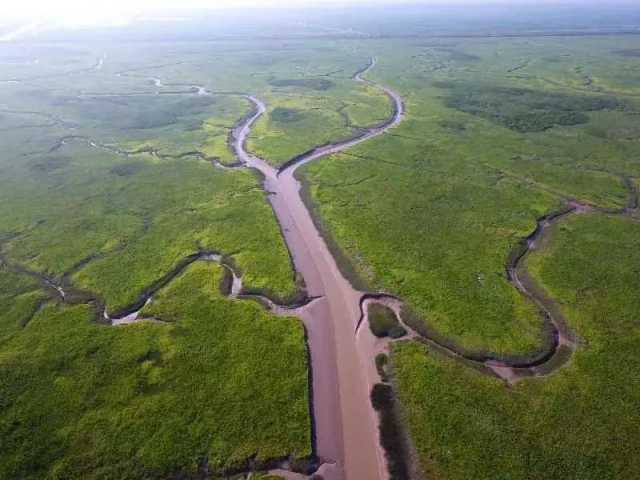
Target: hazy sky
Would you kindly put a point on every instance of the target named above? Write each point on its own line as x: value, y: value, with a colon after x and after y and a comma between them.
x: 113, y: 11
x: 25, y: 16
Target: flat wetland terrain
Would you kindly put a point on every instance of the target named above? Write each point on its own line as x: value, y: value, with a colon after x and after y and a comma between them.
x: 491, y: 218
x: 431, y: 211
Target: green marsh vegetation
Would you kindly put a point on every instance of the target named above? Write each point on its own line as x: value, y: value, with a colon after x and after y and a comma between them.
x: 498, y: 133
x: 128, y: 402
x: 139, y: 217
x: 524, y: 110
x: 300, y: 118
x: 579, y: 422
x: 151, y: 400
x: 430, y: 212
x: 20, y: 297
x: 83, y: 400
x: 414, y: 238
x: 136, y: 216
x: 313, y: 77
x: 320, y: 84
x: 383, y: 322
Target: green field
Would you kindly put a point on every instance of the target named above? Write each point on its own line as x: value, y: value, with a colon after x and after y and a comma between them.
x: 134, y: 216
x: 579, y: 423
x: 152, y: 399
x: 431, y: 210
x: 84, y: 400
x: 497, y: 134
x: 308, y: 115
x: 112, y: 176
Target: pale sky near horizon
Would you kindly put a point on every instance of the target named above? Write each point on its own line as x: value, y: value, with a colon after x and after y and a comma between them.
x: 87, y: 12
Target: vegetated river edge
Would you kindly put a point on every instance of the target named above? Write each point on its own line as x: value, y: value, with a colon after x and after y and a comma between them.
x: 345, y: 425
x: 346, y: 440
x: 342, y: 355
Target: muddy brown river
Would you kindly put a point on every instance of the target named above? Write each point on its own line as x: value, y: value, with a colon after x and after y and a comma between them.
x: 346, y: 432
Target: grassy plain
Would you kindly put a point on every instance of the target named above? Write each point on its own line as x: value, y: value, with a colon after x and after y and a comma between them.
x: 81, y: 400
x: 19, y: 299
x: 430, y: 210
x: 136, y: 216
x: 151, y: 400
x: 498, y: 132
x: 581, y: 422
x: 315, y: 116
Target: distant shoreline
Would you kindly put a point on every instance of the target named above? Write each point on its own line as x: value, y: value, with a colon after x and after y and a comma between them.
x: 113, y: 37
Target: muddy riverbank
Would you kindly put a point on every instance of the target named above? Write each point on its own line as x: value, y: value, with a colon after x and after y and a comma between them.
x: 346, y: 437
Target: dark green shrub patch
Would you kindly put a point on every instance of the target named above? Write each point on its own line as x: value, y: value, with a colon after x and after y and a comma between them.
x: 391, y: 436
x: 127, y: 169
x: 138, y: 112
x: 382, y: 362
x: 522, y: 109
x: 458, y: 55
x: 628, y: 52
x: 50, y: 164
x: 320, y: 84
x: 383, y: 322
x: 453, y: 126
x: 281, y: 114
